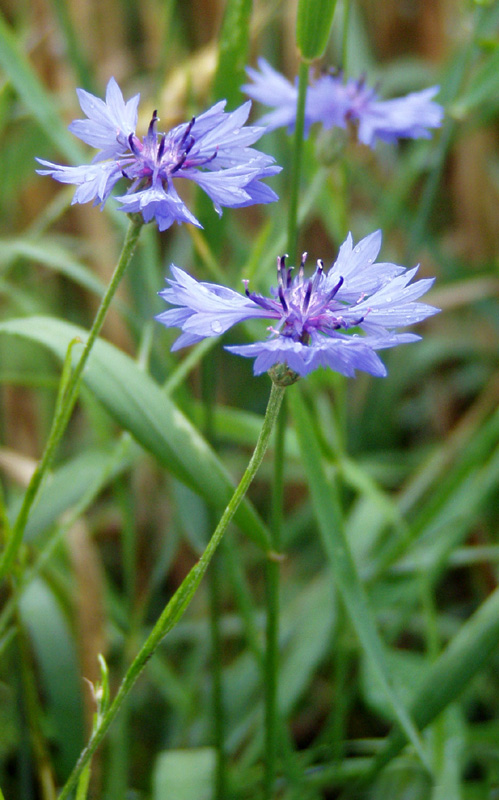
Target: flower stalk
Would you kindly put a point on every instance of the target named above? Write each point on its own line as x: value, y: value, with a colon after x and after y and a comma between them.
x: 67, y: 399
x: 178, y: 604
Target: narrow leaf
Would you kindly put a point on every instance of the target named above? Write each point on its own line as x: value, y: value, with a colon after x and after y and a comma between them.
x: 55, y: 653
x: 52, y: 255
x: 329, y: 518
x: 313, y: 25
x: 233, y: 51
x: 139, y: 405
x: 465, y: 655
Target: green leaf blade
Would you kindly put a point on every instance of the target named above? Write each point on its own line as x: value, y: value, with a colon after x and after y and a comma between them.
x: 313, y: 25
x: 141, y: 407
x: 329, y: 518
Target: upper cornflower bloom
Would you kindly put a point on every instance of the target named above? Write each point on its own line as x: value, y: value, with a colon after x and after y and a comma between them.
x: 318, y: 321
x: 334, y: 102
x: 213, y: 150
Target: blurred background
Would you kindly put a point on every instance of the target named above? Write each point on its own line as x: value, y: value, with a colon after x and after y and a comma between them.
x: 416, y: 455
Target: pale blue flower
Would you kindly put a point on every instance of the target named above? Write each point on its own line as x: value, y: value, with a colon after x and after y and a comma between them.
x: 213, y: 150
x: 332, y: 101
x: 337, y: 319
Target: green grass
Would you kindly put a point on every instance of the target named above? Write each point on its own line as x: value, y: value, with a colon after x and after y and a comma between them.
x: 384, y: 637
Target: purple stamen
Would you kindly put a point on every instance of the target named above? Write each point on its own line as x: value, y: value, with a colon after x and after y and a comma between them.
x: 179, y: 163
x: 133, y: 142
x: 281, y: 265
x: 187, y: 132
x: 283, y: 299
x: 161, y: 149
x: 302, y: 266
x: 308, y: 295
x: 263, y: 302
x: 152, y: 125
x: 335, y: 290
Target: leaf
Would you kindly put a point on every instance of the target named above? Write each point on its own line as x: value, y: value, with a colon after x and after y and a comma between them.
x: 80, y: 478
x: 329, y: 519
x: 307, y: 626
x: 313, y: 24
x: 184, y: 774
x: 56, y: 658
x: 53, y: 256
x: 483, y: 88
x: 233, y: 51
x: 139, y: 405
x: 452, y: 733
x: 469, y: 650
x: 406, y: 671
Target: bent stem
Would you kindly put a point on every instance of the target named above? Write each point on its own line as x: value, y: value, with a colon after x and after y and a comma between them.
x: 67, y: 400
x: 184, y: 594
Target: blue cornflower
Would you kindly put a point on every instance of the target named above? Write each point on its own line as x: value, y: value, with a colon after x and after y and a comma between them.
x: 213, y: 150
x: 318, y: 321
x: 333, y: 101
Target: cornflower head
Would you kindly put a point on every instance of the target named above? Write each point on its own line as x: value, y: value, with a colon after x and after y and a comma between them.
x: 336, y: 319
x: 334, y: 101
x: 213, y: 150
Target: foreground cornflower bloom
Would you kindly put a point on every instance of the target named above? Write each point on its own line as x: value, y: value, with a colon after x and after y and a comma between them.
x: 336, y: 319
x: 333, y: 101
x: 213, y: 150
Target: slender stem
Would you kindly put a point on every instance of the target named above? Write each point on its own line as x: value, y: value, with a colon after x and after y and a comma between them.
x: 272, y: 601
x: 83, y: 784
x: 297, y: 160
x: 184, y: 594
x: 65, y: 407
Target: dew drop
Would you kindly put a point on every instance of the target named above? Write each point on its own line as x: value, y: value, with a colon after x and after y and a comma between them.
x: 216, y: 326
x: 356, y: 249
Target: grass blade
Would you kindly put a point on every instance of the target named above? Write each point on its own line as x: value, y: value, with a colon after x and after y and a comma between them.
x: 140, y: 406
x: 329, y: 519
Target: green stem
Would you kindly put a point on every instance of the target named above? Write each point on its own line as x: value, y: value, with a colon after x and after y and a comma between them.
x: 83, y: 784
x: 65, y: 407
x: 184, y: 594
x: 272, y: 601
x: 297, y: 160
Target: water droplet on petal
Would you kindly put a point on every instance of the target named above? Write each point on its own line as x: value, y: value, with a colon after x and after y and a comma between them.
x: 216, y: 326
x: 356, y: 249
